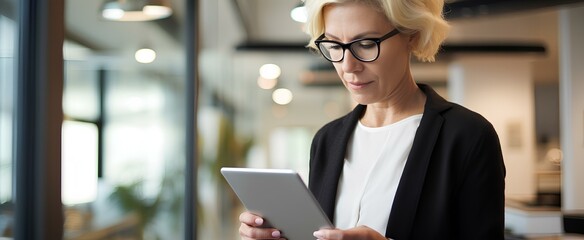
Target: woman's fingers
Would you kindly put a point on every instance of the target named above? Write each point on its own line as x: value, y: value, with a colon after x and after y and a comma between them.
x: 251, y: 219
x: 249, y: 232
x: 329, y: 234
x: 358, y: 233
x: 250, y: 228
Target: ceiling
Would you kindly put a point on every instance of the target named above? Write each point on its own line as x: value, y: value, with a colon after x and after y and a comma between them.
x: 493, y: 26
x: 267, y: 21
x: 264, y: 22
x: 473, y: 8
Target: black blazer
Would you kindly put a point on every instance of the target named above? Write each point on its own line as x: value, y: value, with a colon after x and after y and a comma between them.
x: 453, y: 182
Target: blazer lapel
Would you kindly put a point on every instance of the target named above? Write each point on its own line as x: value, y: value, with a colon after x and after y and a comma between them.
x: 406, y: 200
x: 335, y: 166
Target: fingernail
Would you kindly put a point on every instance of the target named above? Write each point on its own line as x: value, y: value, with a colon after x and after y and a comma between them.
x: 317, y: 234
x: 276, y: 234
x: 259, y: 221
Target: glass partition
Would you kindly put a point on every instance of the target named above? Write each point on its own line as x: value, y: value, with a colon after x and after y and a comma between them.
x: 8, y: 36
x: 124, y: 133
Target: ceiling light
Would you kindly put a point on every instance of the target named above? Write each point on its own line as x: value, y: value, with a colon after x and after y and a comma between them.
x: 282, y: 96
x: 145, y: 55
x: 135, y: 10
x: 270, y: 71
x: 299, y: 13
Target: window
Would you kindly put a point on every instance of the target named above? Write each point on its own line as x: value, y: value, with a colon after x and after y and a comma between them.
x: 124, y: 133
x: 7, y: 50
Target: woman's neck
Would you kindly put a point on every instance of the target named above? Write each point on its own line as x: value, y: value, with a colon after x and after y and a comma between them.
x: 406, y: 102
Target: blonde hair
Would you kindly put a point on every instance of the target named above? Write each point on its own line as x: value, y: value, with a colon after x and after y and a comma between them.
x: 421, y: 19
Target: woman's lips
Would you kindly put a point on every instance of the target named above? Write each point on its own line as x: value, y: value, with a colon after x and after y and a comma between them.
x: 357, y: 85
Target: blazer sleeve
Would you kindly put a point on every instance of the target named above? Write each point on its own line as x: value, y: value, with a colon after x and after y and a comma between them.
x: 481, y: 198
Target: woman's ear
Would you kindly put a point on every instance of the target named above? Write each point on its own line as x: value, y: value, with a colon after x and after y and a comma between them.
x: 413, y: 41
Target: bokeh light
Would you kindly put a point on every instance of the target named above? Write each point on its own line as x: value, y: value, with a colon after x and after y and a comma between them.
x: 267, y: 84
x: 145, y: 55
x: 282, y: 96
x: 270, y: 71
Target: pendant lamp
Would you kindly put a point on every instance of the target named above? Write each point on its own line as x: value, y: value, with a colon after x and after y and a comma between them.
x: 135, y: 10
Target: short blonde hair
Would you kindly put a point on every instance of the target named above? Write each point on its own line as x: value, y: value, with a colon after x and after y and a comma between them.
x: 421, y: 17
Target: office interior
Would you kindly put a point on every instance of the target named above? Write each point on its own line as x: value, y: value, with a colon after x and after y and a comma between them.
x: 134, y: 144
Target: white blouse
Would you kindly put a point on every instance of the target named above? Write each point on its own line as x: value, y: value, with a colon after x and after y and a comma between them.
x: 372, y: 170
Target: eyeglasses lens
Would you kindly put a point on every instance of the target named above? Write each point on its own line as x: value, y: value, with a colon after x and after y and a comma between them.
x: 364, y: 50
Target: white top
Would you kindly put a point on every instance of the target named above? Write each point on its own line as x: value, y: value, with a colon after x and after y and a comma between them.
x: 372, y: 170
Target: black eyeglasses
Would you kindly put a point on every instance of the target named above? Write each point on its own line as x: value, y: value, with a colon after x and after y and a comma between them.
x: 365, y: 49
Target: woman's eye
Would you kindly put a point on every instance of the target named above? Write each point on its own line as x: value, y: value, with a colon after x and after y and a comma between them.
x: 334, y: 47
x: 366, y: 44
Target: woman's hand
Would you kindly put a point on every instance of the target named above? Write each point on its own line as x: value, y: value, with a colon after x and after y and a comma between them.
x: 251, y: 228
x: 358, y: 233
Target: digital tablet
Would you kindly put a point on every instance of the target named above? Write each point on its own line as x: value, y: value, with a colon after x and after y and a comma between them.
x: 281, y: 198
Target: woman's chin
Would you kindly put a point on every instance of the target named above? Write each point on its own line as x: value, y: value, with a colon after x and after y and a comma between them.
x: 360, y: 99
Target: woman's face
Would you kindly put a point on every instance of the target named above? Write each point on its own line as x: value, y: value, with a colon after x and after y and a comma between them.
x: 368, y: 82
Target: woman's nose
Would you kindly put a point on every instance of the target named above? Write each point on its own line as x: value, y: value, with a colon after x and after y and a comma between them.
x: 350, y: 63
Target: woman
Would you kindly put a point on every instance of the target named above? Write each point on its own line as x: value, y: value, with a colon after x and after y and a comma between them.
x: 405, y: 163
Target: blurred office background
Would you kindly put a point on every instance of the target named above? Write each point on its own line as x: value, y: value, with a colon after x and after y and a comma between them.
x: 129, y: 163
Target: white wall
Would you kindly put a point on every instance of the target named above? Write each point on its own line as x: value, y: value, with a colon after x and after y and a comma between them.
x: 501, y: 89
x: 572, y: 106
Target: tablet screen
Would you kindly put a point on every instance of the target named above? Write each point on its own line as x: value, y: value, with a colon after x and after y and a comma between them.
x: 281, y: 198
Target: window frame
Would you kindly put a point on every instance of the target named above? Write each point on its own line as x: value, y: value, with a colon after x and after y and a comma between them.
x: 38, y: 119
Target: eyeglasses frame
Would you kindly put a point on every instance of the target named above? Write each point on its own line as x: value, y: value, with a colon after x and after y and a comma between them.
x: 346, y: 46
